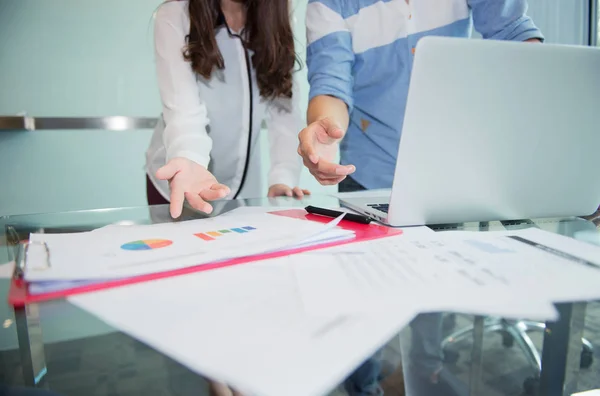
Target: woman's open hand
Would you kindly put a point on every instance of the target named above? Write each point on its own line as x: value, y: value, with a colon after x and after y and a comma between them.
x: 193, y: 182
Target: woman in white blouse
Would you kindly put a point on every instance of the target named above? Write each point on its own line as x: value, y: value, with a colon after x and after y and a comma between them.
x: 224, y: 67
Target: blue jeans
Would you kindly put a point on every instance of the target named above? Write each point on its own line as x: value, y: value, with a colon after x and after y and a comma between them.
x: 426, y: 347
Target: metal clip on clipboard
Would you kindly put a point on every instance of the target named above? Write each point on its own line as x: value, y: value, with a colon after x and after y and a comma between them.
x: 21, y: 254
x: 21, y: 262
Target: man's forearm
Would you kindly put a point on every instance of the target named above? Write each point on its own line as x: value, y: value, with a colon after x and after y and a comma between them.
x: 324, y: 106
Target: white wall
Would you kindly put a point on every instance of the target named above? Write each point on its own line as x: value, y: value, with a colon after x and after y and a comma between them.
x: 65, y: 58
x: 88, y: 58
x: 561, y: 21
x: 73, y: 58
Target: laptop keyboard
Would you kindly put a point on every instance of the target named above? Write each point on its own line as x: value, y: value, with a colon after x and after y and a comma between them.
x: 381, y: 207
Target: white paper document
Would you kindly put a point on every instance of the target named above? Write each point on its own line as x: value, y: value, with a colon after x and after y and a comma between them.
x: 298, y: 325
x: 429, y: 274
x: 124, y: 251
x: 546, y: 264
x: 245, y: 326
x: 514, y: 274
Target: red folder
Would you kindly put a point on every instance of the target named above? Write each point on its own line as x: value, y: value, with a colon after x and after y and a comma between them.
x: 19, y: 296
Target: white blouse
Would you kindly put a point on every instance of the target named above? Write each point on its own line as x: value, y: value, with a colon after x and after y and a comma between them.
x: 208, y: 121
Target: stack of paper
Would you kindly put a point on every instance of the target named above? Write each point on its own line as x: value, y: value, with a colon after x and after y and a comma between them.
x: 59, y: 261
x: 298, y: 325
x: 517, y: 274
x: 245, y: 325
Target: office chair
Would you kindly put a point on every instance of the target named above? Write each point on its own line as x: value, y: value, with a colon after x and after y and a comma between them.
x: 512, y: 331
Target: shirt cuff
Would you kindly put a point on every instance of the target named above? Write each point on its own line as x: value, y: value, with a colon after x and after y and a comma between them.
x: 520, y: 30
x: 180, y: 148
x: 331, y: 91
x: 191, y: 155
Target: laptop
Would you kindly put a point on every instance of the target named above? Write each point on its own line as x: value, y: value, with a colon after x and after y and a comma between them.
x: 495, y: 130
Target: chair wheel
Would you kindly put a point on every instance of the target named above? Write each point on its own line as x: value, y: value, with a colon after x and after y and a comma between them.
x: 587, y: 358
x: 531, y: 386
x: 451, y: 356
x: 507, y: 339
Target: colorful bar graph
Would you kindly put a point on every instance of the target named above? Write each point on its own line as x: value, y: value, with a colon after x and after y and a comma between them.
x: 204, y: 236
x: 212, y: 235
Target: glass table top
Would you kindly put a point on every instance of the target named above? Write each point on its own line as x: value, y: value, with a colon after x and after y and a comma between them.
x: 83, y: 355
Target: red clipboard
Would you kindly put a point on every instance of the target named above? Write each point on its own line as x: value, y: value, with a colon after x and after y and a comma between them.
x: 19, y: 296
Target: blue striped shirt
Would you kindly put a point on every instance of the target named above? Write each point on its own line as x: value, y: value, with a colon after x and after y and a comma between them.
x: 361, y: 51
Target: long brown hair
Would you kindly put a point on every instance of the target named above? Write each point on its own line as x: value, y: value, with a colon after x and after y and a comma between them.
x: 267, y: 32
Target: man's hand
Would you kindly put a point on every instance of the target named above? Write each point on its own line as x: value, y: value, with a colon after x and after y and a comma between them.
x: 318, y: 146
x: 282, y: 190
x: 193, y: 182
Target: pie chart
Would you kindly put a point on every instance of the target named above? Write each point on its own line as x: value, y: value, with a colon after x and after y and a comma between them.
x: 146, y: 244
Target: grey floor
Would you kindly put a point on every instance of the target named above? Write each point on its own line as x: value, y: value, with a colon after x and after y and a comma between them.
x: 115, y: 364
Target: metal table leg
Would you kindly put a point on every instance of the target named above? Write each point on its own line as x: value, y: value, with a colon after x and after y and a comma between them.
x: 27, y: 321
x: 476, y: 357
x: 562, y: 351
x: 477, y: 351
x: 31, y: 344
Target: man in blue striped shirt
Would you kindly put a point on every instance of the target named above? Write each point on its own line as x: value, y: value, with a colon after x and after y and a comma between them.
x: 359, y: 61
x: 360, y: 56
